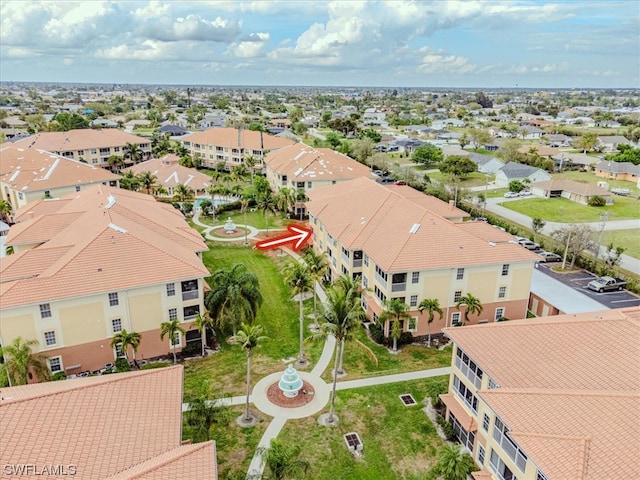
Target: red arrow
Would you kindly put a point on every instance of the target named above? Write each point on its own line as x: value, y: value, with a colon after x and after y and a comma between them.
x: 298, y: 234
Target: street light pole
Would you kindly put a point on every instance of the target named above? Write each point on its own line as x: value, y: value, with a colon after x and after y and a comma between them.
x: 603, y: 217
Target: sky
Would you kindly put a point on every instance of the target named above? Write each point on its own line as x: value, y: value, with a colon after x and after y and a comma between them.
x: 393, y: 43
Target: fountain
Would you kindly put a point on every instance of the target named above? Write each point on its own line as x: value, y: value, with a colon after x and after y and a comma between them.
x: 229, y: 227
x: 290, y: 383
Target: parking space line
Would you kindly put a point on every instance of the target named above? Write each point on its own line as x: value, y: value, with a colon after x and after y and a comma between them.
x: 623, y: 301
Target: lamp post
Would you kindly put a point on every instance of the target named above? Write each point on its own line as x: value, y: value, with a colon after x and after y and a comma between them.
x: 603, y: 218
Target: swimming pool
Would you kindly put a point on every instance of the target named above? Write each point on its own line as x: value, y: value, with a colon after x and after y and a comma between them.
x: 217, y: 202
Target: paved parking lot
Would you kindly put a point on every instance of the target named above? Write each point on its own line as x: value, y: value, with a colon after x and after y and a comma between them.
x: 578, y: 281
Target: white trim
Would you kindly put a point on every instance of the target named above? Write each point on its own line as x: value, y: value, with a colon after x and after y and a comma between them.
x: 58, y: 357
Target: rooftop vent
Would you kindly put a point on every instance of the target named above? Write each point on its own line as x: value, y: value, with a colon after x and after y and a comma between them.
x: 415, y: 228
x: 111, y: 202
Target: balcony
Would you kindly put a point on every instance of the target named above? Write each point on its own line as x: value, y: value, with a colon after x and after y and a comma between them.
x: 381, y: 280
x: 189, y: 290
x: 189, y: 295
x: 357, y: 263
x: 398, y: 287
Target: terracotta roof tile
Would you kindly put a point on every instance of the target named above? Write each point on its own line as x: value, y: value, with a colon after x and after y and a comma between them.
x: 235, y: 138
x: 82, y: 139
x: 465, y: 419
x: 105, y: 426
x: 170, y: 173
x: 380, y: 220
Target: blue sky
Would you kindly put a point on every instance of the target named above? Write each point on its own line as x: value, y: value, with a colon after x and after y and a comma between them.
x: 394, y: 43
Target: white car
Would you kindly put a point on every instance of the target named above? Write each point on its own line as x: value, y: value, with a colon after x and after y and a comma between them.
x: 524, y: 193
x: 510, y: 195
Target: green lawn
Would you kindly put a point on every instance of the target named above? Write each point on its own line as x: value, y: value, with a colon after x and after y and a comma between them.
x: 629, y: 239
x: 562, y: 210
x: 592, y: 178
x: 473, y: 180
x: 399, y: 442
x: 254, y: 218
x: 225, y: 370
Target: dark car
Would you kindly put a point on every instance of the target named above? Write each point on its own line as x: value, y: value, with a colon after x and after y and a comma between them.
x: 386, y: 180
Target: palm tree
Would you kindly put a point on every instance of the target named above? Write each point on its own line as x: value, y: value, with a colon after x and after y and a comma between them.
x: 203, y: 414
x: 396, y: 312
x: 202, y: 322
x: 250, y: 161
x: 472, y: 305
x: 341, y: 316
x: 235, y: 295
x: 5, y: 211
x: 125, y: 340
x: 171, y: 328
x: 182, y: 193
x: 298, y: 277
x: 282, y: 460
x: 453, y: 463
x: 133, y: 152
x: 318, y: 266
x: 353, y: 288
x: 160, y: 190
x: 147, y: 180
x: 116, y: 162
x: 19, y: 360
x: 285, y: 199
x: 248, y: 337
x: 432, y: 306
x: 244, y: 206
x: 130, y: 181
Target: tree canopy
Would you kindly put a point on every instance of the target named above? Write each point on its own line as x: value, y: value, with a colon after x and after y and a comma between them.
x: 427, y: 154
x: 458, y: 165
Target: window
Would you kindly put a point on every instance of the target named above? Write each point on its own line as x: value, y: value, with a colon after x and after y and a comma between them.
x: 113, y: 299
x: 50, y: 338
x: 412, y: 325
x: 77, y: 188
x: 460, y: 274
x: 171, y: 289
x: 309, y: 184
x: 465, y: 394
x: 499, y: 313
x: 45, y: 310
x: 492, y: 384
x: 466, y: 438
x: 55, y: 364
x: 485, y: 422
x: 503, y: 292
x: 505, y: 270
x: 176, y: 341
x: 468, y: 367
x: 344, y: 270
x: 457, y: 295
x: 366, y: 260
x: 381, y: 296
x: 47, y: 193
x: 501, y: 435
x: 191, y: 312
x: 20, y: 196
x: 119, y: 351
x: 365, y: 282
x: 80, y: 152
x: 363, y: 302
x: 541, y: 476
x: 455, y: 319
x: 173, y: 314
x: 116, y: 325
x: 415, y: 277
x: 481, y: 454
x: 414, y: 301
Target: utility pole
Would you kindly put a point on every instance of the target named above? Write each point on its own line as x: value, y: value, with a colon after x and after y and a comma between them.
x: 603, y: 217
x: 566, y: 250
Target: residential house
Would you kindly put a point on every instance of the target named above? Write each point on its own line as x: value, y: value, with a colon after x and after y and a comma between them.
x: 173, y: 130
x: 541, y: 150
x: 557, y: 140
x: 231, y: 146
x: 94, y: 263
x: 579, y: 192
x: 372, y: 117
x: 301, y: 167
x: 103, y: 123
x: 169, y: 174
x: 58, y: 429
x: 618, y: 171
x: 610, y: 143
x: 519, y: 171
x: 529, y: 132
x: 446, y: 123
x: 410, y: 246
x: 408, y: 145
x: 486, y: 163
x: 28, y: 174
x: 87, y: 145
x: 548, y: 398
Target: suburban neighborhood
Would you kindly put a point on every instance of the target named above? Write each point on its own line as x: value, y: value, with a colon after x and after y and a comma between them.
x: 241, y: 281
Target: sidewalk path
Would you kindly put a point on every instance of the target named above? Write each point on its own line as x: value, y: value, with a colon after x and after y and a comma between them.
x: 398, y: 377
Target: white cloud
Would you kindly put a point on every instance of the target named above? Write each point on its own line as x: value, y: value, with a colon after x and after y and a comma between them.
x: 251, y: 46
x: 451, y: 64
x: 193, y: 27
x: 154, y: 9
x: 148, y: 50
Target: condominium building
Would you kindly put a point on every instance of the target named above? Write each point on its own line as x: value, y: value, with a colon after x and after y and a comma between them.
x: 28, y: 174
x: 123, y: 426
x: 232, y: 146
x: 94, y: 263
x: 410, y: 246
x: 301, y: 167
x: 549, y: 398
x: 87, y: 145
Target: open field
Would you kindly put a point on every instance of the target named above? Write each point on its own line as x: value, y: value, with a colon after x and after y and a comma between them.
x: 563, y: 210
x: 400, y: 442
x: 255, y: 218
x: 629, y: 239
x: 592, y: 178
x: 475, y: 179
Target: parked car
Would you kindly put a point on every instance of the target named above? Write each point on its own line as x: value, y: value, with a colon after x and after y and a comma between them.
x: 399, y: 182
x: 386, y: 180
x: 510, y: 195
x: 380, y: 173
x: 606, y: 284
x: 549, y: 256
x: 524, y: 193
x: 529, y: 245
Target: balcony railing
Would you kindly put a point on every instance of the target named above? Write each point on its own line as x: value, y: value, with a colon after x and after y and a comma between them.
x: 381, y: 280
x: 357, y: 263
x: 398, y: 287
x: 189, y: 295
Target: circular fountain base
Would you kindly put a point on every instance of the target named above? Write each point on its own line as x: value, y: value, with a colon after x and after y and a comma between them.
x: 277, y: 397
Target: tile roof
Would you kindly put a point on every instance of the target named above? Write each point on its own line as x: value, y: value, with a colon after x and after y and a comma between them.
x: 464, y: 418
x: 380, y: 220
x: 542, y: 150
x: 568, y: 388
x: 170, y: 173
x: 82, y: 139
x: 517, y: 170
x: 304, y: 163
x: 618, y: 167
x: 124, y: 426
x: 236, y: 138
x: 33, y: 170
x: 108, y: 239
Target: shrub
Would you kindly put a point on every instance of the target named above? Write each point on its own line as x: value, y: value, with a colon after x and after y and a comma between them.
x: 58, y: 376
x: 154, y: 365
x: 192, y: 349
x: 122, y: 365
x: 597, y: 201
x: 447, y: 428
x: 376, y: 333
x: 225, y: 207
